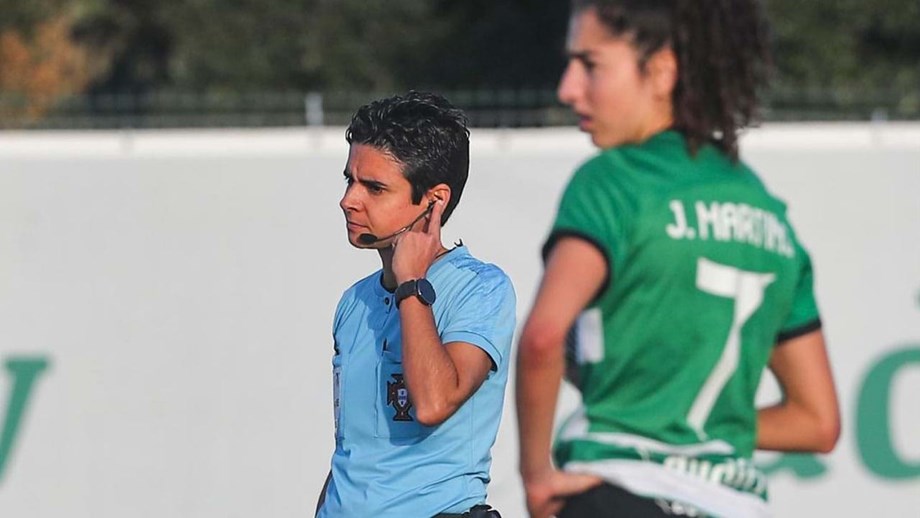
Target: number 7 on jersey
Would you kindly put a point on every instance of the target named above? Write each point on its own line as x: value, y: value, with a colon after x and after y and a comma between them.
x: 747, y: 290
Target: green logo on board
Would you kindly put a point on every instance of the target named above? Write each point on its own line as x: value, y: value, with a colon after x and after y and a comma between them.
x: 874, y: 441
x: 22, y: 373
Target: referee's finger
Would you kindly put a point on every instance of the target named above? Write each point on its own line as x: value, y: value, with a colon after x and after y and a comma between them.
x: 434, y: 224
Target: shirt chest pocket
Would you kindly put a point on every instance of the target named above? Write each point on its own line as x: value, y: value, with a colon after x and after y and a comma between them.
x: 395, y: 412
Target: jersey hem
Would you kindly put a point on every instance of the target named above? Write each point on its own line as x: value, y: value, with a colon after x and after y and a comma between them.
x: 796, y: 332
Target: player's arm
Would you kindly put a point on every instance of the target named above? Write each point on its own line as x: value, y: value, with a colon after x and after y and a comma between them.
x: 440, y: 377
x: 808, y: 417
x: 575, y: 272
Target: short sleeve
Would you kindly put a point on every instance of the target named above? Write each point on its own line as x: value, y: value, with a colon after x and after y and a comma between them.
x: 595, y: 209
x: 484, y: 315
x: 803, y: 316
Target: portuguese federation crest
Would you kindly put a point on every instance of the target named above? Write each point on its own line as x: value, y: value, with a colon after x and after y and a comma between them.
x: 398, y: 398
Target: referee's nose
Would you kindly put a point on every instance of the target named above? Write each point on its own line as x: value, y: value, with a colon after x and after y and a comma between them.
x: 349, y: 202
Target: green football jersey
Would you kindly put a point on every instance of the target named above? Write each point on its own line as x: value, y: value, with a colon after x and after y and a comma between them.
x: 705, y: 278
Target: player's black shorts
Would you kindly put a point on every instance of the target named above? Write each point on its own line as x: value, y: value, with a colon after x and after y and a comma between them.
x: 478, y: 511
x: 609, y: 501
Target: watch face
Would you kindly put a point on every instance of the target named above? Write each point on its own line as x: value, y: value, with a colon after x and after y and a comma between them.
x: 426, y: 291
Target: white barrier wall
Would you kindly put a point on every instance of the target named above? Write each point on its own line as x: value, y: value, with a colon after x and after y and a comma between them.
x: 166, y: 300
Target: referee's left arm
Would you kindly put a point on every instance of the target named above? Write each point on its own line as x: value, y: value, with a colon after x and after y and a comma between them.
x: 440, y: 377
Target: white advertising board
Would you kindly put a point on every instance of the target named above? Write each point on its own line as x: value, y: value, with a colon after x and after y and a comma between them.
x: 166, y: 300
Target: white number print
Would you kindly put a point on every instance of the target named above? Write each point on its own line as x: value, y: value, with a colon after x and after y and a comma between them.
x: 747, y: 289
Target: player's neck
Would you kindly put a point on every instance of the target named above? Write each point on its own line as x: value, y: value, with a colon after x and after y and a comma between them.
x: 386, y: 259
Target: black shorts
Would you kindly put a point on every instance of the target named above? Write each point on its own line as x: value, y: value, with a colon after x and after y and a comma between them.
x: 478, y: 511
x: 609, y: 501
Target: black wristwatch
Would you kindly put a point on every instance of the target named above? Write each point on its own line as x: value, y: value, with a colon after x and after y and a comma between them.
x: 420, y: 288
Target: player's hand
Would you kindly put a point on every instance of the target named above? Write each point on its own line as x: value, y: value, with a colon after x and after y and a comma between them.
x: 415, y: 250
x: 547, y: 491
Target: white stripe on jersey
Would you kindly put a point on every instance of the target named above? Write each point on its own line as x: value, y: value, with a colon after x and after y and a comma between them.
x: 650, y: 479
x: 576, y: 427
x: 590, y: 336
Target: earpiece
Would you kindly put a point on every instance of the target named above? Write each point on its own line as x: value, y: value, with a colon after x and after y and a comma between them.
x: 369, y: 239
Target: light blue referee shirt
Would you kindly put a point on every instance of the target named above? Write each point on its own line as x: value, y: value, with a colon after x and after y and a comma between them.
x: 385, y: 462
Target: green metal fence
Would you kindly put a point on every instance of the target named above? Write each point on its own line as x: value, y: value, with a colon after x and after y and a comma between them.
x: 497, y: 108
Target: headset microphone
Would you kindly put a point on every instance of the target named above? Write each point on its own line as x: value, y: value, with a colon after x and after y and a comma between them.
x: 370, y: 239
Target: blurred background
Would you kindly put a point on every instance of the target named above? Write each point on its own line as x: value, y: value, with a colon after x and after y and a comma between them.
x: 171, y: 249
x: 244, y: 63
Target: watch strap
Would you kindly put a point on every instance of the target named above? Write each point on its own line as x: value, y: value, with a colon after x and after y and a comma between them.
x: 420, y: 288
x: 406, y: 290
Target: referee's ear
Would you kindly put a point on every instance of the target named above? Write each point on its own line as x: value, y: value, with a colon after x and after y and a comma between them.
x: 441, y: 192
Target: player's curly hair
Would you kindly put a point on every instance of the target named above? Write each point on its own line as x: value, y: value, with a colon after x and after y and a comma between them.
x: 425, y: 133
x: 723, y: 54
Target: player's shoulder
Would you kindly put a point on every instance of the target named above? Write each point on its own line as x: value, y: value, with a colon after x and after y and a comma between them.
x: 602, y: 176
x: 462, y: 259
x: 599, y: 166
x: 625, y: 166
x: 473, y: 271
x: 746, y: 175
x: 361, y: 287
x: 366, y: 282
x: 359, y: 294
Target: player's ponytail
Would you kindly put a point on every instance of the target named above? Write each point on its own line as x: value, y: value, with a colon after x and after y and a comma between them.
x: 723, y: 61
x: 722, y: 52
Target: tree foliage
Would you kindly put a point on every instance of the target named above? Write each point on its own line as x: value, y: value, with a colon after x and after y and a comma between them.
x: 40, y: 63
x: 850, y: 44
x: 257, y: 45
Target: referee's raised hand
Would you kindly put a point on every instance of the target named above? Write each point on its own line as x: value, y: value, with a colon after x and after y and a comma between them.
x: 415, y: 250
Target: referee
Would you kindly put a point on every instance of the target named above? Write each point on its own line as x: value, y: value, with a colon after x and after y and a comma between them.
x: 422, y: 345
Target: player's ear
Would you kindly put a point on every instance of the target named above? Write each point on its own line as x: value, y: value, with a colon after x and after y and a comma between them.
x: 439, y: 192
x: 662, y: 70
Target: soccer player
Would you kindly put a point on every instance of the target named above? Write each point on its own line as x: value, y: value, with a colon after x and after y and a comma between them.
x: 421, y: 346
x: 675, y: 275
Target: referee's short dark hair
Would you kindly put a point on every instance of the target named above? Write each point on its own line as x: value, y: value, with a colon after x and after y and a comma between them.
x: 425, y: 133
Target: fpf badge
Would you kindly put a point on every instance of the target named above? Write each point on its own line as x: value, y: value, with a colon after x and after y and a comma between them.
x: 398, y: 398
